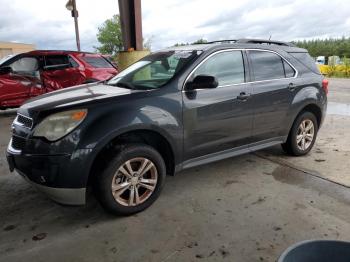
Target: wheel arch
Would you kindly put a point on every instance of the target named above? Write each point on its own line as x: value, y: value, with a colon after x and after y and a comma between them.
x: 145, y: 136
x: 309, y: 107
x: 312, y: 108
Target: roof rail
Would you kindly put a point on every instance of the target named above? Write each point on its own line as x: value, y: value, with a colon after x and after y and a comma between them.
x: 53, y: 50
x: 263, y: 41
x: 222, y: 41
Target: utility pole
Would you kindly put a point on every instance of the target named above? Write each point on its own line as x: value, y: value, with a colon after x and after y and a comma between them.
x: 72, y: 6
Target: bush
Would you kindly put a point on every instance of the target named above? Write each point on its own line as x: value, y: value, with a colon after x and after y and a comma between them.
x: 336, y: 70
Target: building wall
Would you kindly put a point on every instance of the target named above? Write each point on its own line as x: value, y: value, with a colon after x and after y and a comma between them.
x: 8, y: 48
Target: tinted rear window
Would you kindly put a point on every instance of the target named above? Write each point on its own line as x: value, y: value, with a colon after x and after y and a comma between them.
x: 307, y: 61
x: 97, y: 62
x: 266, y: 65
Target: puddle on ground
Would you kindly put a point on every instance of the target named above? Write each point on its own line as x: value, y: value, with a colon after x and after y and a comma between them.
x: 306, y: 180
x: 288, y: 175
x: 334, y: 108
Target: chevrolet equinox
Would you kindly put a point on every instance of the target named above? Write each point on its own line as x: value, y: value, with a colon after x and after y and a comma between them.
x: 174, y: 109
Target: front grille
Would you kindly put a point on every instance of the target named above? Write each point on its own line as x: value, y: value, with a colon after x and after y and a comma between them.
x: 18, y: 143
x: 24, y: 121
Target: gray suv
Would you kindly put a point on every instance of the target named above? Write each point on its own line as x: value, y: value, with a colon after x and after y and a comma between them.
x: 174, y: 109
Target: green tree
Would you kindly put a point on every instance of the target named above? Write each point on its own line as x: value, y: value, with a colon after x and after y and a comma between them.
x: 110, y: 36
x: 327, y: 47
x: 199, y: 41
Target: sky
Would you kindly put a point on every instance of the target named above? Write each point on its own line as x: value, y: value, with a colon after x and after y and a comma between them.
x: 49, y: 25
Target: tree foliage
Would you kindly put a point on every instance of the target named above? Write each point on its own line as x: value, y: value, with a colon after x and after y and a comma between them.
x: 326, y: 47
x: 110, y: 36
x: 199, y: 41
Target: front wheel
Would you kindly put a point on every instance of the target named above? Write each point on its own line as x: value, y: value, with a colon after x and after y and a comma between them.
x: 302, y: 136
x: 132, y: 181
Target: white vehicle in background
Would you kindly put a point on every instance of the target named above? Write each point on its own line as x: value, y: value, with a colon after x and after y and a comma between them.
x: 334, y: 60
x: 321, y: 60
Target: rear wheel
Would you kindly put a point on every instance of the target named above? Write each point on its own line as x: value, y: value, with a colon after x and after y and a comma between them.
x: 132, y: 181
x: 302, y: 136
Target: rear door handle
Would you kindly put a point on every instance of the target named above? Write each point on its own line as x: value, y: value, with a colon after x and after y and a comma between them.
x: 243, y: 96
x: 291, y: 87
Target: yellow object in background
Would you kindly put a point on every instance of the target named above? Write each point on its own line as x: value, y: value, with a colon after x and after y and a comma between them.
x: 335, y: 70
x: 127, y: 58
x: 323, y: 69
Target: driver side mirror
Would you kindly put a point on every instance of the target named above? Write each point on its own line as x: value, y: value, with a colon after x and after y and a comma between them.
x: 6, y: 70
x: 202, y: 82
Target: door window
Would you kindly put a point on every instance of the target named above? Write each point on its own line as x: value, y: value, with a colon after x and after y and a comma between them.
x: 268, y: 66
x: 25, y: 65
x: 289, y: 71
x: 97, y: 62
x: 227, y: 67
x: 55, y: 60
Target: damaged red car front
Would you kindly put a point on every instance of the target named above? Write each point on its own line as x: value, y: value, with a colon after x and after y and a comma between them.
x: 37, y: 72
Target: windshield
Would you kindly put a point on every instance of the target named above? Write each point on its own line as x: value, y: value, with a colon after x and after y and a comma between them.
x: 154, y: 70
x: 4, y: 59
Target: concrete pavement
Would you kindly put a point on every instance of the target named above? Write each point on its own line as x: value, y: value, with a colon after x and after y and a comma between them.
x: 248, y: 208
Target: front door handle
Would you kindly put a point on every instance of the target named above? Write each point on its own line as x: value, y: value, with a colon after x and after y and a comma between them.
x: 243, y: 96
x: 291, y: 87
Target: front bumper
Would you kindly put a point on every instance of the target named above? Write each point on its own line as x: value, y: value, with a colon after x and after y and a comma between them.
x: 66, y: 196
x: 58, y: 176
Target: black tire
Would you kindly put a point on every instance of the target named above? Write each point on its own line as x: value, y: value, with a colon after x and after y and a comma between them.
x: 291, y: 146
x: 104, y: 181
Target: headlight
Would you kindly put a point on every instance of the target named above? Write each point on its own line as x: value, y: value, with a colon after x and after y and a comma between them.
x: 58, y: 125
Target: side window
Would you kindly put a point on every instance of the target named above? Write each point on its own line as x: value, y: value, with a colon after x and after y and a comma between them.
x: 55, y: 60
x: 25, y: 64
x: 266, y: 65
x: 97, y: 62
x: 72, y: 62
x: 289, y: 71
x: 227, y: 67
x: 307, y: 61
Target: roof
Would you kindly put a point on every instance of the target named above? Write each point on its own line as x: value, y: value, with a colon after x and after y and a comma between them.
x: 241, y: 43
x: 41, y: 52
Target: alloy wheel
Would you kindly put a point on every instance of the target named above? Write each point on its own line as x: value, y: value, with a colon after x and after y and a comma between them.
x: 305, y: 134
x: 134, y: 182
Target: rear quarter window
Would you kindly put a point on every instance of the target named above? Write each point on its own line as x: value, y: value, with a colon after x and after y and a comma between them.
x: 307, y: 61
x: 97, y: 62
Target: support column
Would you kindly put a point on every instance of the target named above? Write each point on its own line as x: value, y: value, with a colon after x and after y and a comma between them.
x: 131, y: 25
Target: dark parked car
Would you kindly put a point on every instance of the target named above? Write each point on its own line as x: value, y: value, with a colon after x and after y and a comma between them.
x: 37, y: 72
x: 174, y: 109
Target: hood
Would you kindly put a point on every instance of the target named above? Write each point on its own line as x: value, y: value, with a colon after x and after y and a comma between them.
x: 73, y: 95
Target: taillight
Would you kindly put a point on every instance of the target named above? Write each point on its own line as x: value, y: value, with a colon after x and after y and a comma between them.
x: 325, y: 85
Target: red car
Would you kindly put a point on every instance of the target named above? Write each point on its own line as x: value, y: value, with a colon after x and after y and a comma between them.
x: 37, y: 72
